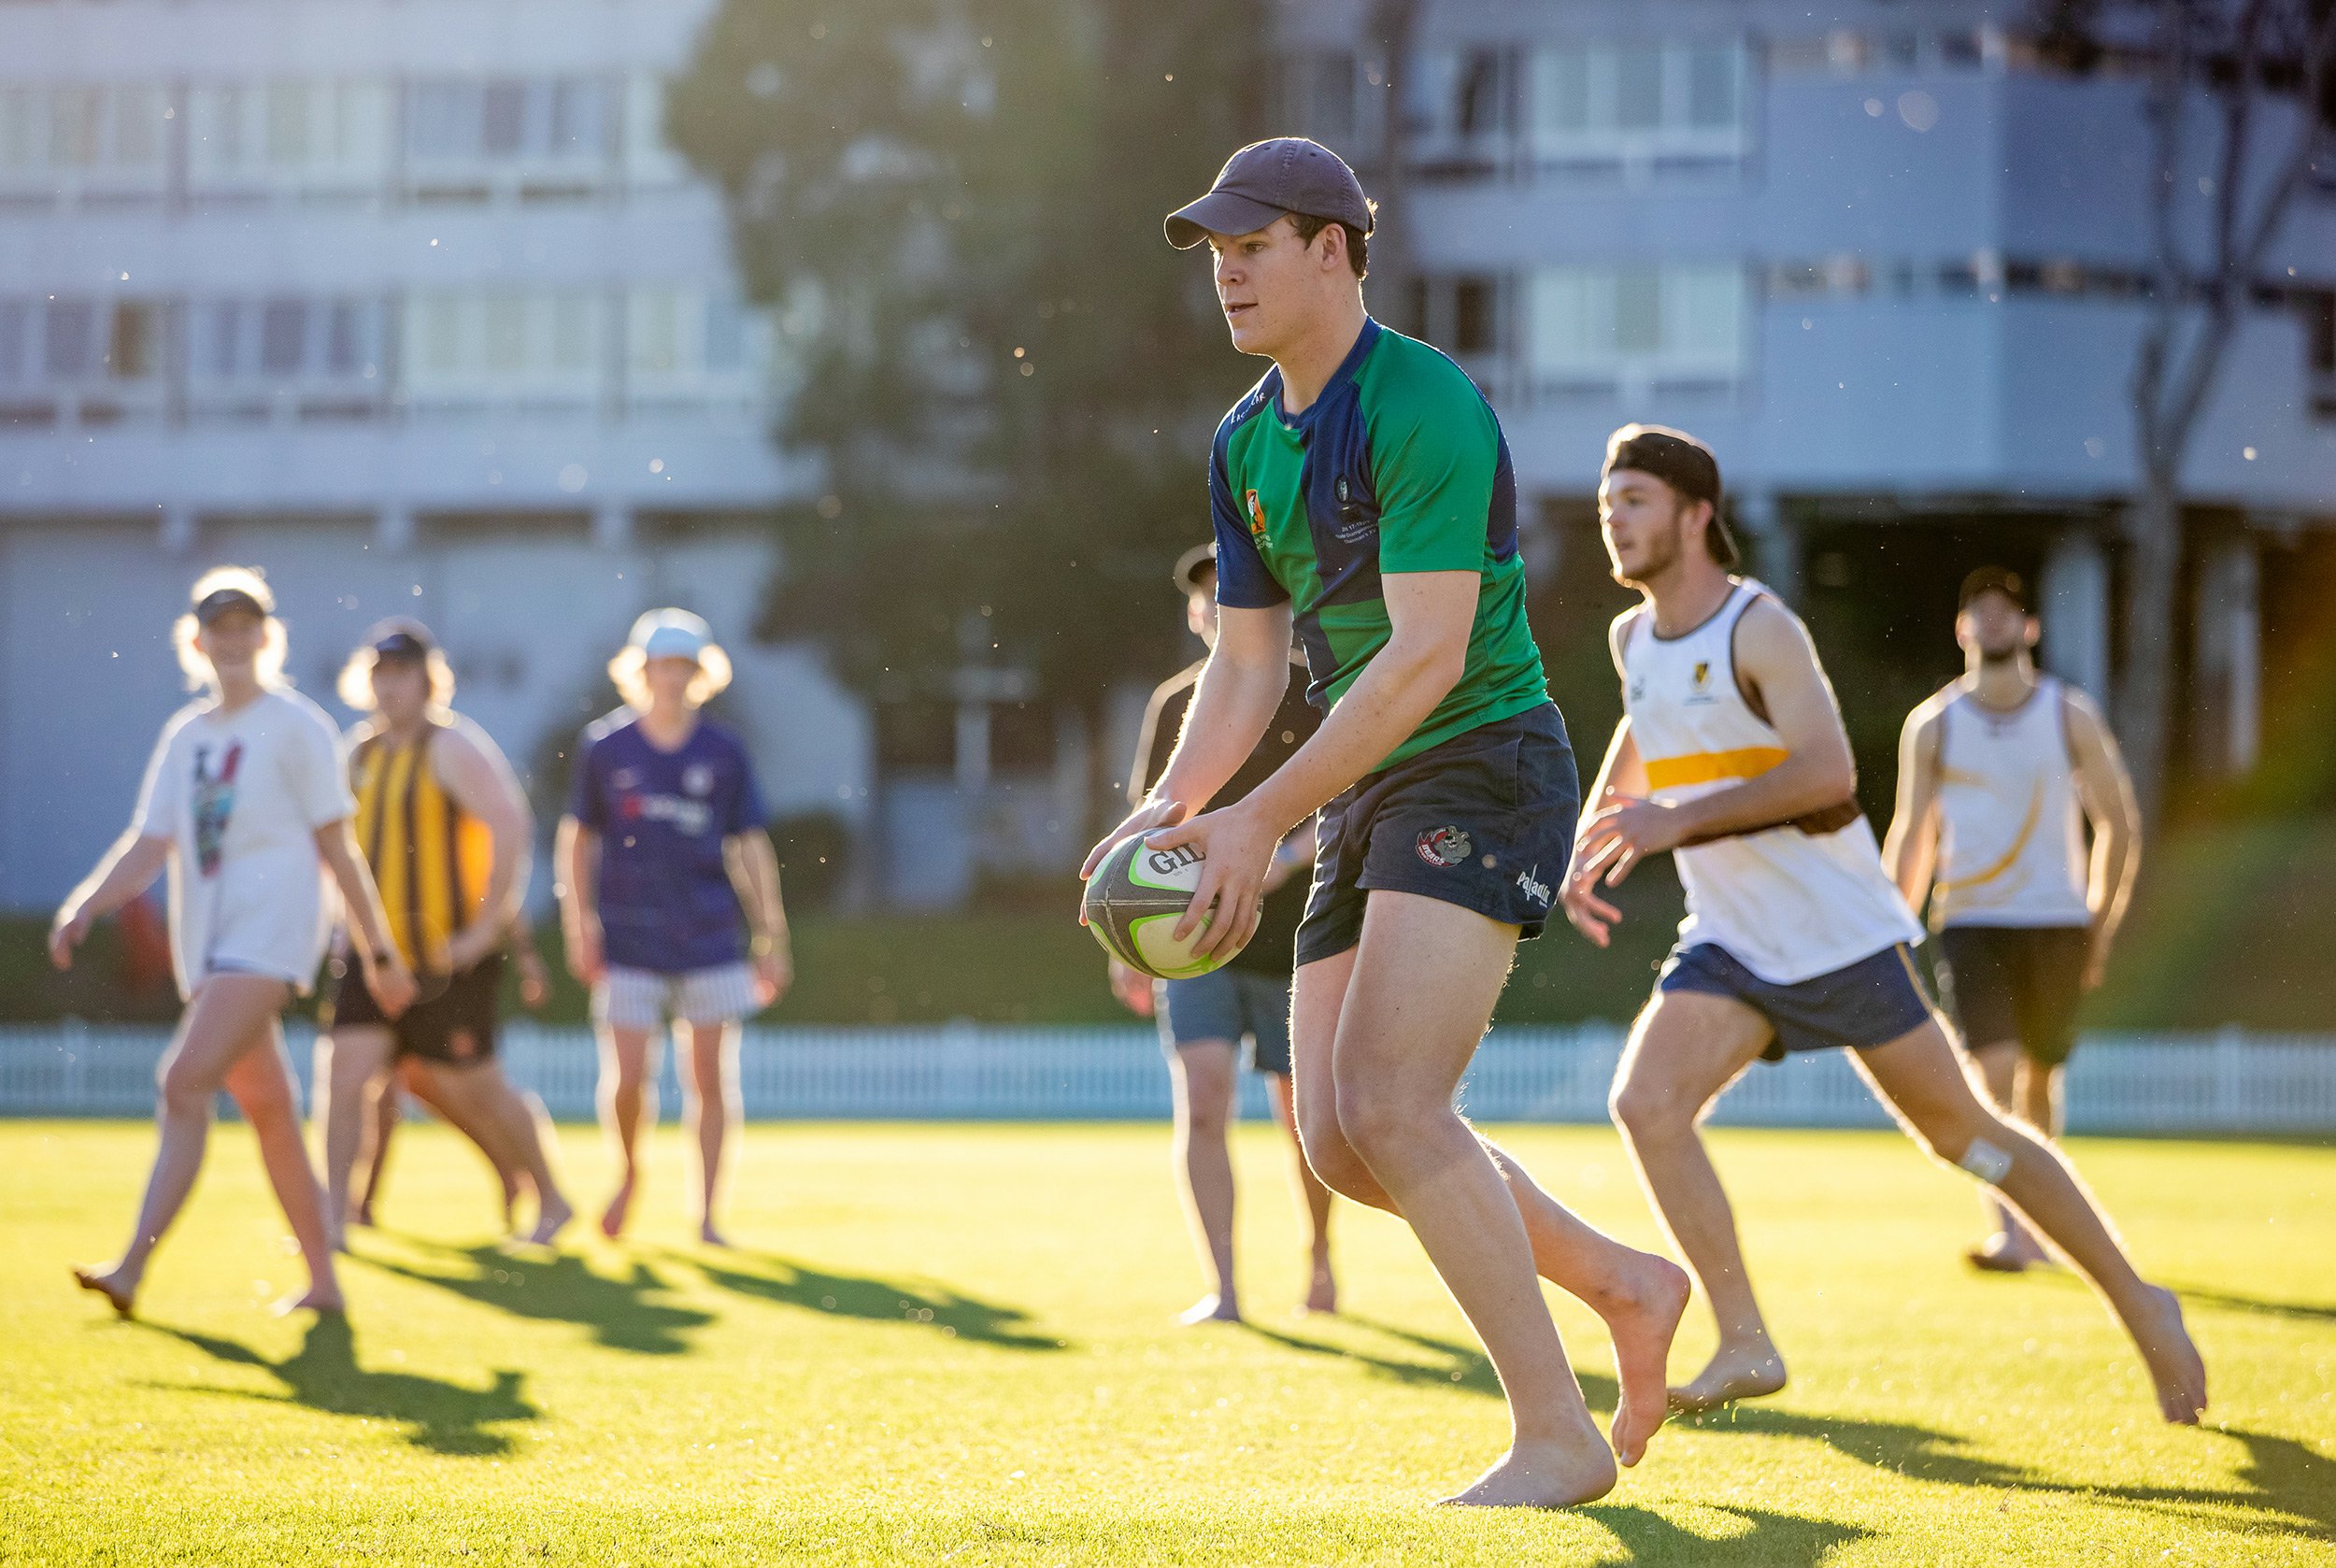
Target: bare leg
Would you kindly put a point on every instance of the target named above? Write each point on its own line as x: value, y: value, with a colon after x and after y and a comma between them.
x: 1204, y: 1076
x: 711, y: 1106
x: 2009, y: 1247
x: 627, y: 1092
x: 1918, y: 1076
x: 261, y: 1082
x: 387, y: 1113
x: 2037, y: 1096
x: 1397, y: 1055
x: 351, y: 1064
x: 1639, y: 1295
x: 228, y: 1017
x: 1684, y: 1049
x: 481, y: 1101
x: 1314, y: 1199
x: 467, y: 1115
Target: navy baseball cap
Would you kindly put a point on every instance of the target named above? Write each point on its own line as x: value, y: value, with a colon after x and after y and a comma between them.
x: 400, y: 639
x: 1266, y: 179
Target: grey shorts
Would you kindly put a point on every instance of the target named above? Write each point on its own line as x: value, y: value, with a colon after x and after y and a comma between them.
x: 1231, y: 1005
x: 645, y: 999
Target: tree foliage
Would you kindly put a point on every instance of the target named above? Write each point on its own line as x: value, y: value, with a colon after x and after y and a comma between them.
x: 1007, y: 377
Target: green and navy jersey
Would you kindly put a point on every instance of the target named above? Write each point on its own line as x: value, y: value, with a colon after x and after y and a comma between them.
x: 1399, y: 466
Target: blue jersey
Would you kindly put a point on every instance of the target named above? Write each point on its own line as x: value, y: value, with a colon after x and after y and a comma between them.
x: 665, y: 900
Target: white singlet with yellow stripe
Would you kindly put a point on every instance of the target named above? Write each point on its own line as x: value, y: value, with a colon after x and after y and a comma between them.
x: 1788, y: 905
x: 2010, y: 830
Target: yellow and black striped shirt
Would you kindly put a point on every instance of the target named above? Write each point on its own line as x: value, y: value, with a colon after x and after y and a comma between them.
x: 430, y: 858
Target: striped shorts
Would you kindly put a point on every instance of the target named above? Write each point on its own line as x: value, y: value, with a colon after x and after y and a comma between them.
x: 645, y: 999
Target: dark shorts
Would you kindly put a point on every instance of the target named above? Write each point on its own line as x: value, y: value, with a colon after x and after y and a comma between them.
x: 1862, y: 1005
x: 1230, y: 1004
x: 2020, y: 985
x: 1484, y: 820
x: 456, y: 1028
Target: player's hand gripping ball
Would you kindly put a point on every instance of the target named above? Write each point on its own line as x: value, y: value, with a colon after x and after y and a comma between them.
x: 1134, y: 902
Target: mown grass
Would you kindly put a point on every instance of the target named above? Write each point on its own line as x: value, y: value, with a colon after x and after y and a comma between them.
x: 955, y: 1343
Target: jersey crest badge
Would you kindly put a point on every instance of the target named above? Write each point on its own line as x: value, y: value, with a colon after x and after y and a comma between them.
x: 1443, y: 847
x: 1257, y: 517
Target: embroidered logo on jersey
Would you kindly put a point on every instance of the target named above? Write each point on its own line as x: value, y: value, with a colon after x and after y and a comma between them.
x: 697, y: 779
x: 1445, y: 846
x: 1535, y: 888
x: 1700, y: 683
x: 214, y: 804
x: 1257, y: 517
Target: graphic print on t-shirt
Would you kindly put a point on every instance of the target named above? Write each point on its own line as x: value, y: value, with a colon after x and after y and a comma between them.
x: 214, y: 803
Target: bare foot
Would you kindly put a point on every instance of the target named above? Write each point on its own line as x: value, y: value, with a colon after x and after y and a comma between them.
x: 315, y: 1298
x: 1642, y: 1314
x: 1747, y: 1373
x: 612, y: 1219
x: 1542, y: 1475
x: 110, y: 1284
x: 1211, y: 1310
x: 552, y: 1214
x: 2174, y: 1363
x: 1322, y: 1293
x: 710, y: 1236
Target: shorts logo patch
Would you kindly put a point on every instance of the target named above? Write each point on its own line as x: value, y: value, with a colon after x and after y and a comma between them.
x: 1445, y: 847
x: 1257, y: 517
x: 1535, y: 888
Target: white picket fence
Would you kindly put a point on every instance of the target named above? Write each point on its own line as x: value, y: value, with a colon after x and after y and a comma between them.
x: 2226, y: 1082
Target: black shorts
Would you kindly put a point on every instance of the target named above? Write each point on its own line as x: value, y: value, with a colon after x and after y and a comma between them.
x: 2006, y: 984
x: 456, y: 1028
x: 1864, y: 1005
x: 1484, y: 820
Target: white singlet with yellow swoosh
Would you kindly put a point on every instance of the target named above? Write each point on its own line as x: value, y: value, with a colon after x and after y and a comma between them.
x: 2011, y: 831
x: 1787, y: 904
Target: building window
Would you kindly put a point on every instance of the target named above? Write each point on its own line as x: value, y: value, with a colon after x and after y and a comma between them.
x: 536, y: 347
x: 1592, y: 328
x: 252, y: 137
x: 1457, y: 111
x: 549, y: 134
x: 1603, y: 102
x: 1460, y: 314
x: 688, y: 346
x: 71, y: 140
x: 284, y: 356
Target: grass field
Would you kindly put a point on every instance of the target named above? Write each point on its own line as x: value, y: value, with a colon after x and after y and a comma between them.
x: 955, y: 1344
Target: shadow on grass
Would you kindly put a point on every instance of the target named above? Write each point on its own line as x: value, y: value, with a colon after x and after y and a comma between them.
x: 323, y: 1375
x: 877, y: 1301
x: 1773, y: 1540
x: 1454, y: 1364
x: 2306, y: 1312
x: 2289, y: 1488
x: 622, y: 1313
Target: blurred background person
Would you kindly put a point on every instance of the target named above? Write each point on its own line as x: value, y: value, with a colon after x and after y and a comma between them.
x: 2000, y: 773
x: 246, y: 802
x: 409, y: 1076
x: 669, y: 896
x: 1203, y: 1022
x: 445, y: 827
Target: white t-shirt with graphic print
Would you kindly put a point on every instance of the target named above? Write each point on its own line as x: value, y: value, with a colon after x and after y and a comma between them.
x: 240, y: 796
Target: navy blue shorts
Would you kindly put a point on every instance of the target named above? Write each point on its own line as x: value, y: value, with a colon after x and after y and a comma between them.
x: 1869, y: 1003
x: 1484, y: 820
x: 1231, y: 1005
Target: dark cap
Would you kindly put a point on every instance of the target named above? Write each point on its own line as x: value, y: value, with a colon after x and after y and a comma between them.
x: 401, y: 638
x: 1995, y: 579
x: 1192, y: 564
x: 1684, y: 463
x: 221, y: 600
x: 1267, y: 178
